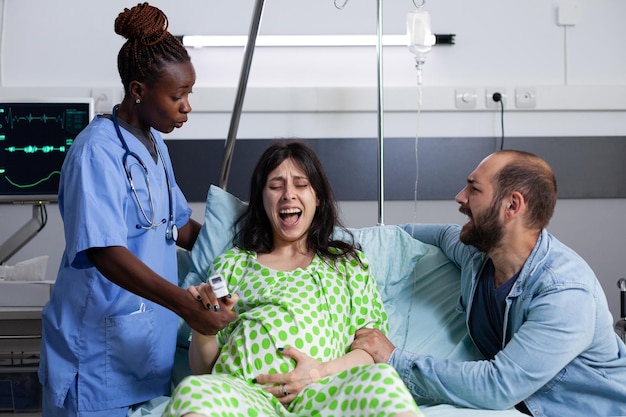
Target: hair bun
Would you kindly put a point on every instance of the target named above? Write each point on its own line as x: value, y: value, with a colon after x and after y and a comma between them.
x: 145, y: 23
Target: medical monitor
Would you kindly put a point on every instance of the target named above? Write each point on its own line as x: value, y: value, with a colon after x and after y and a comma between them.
x: 35, y: 135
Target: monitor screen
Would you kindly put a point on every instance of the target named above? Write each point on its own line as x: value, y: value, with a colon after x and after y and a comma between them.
x: 35, y: 135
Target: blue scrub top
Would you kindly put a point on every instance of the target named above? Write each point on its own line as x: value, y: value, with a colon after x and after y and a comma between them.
x: 116, y: 345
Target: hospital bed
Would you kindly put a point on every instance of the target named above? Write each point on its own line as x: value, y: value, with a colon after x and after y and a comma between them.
x: 418, y: 284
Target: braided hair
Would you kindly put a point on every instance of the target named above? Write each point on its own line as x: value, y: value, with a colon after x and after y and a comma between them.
x: 148, y: 45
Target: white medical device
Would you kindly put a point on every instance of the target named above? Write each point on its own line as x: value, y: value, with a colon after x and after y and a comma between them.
x: 218, y: 284
x: 420, y: 37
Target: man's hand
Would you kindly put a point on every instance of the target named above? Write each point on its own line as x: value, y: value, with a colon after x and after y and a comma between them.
x: 375, y: 343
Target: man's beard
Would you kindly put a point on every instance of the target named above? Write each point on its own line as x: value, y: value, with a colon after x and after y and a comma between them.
x: 485, y: 231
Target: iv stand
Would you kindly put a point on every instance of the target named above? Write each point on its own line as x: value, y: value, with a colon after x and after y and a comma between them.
x: 241, y: 90
x: 379, y: 55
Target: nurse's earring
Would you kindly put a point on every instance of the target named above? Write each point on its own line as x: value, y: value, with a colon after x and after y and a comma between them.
x: 138, y: 100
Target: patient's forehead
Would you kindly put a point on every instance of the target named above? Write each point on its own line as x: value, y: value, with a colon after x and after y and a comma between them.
x: 289, y: 168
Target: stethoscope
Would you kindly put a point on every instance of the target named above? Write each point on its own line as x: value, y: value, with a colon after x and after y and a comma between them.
x: 171, y: 231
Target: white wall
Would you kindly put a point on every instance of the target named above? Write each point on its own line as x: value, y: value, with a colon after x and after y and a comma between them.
x: 69, y: 48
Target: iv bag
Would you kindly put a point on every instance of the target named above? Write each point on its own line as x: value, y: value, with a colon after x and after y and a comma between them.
x: 421, y: 38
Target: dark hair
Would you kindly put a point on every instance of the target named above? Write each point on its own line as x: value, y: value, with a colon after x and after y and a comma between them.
x: 255, y: 230
x: 148, y: 45
x: 533, y: 178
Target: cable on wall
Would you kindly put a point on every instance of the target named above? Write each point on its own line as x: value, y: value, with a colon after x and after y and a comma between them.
x: 497, y: 97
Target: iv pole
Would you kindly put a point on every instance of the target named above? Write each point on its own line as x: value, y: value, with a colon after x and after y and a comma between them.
x: 243, y: 82
x: 381, y: 138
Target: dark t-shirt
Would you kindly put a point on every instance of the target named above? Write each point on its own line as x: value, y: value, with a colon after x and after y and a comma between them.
x: 486, y: 323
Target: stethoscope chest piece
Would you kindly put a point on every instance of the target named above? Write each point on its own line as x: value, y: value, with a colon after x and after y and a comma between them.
x: 171, y: 233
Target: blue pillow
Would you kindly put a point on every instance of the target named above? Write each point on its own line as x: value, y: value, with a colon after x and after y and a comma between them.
x: 420, y: 288
x: 216, y: 234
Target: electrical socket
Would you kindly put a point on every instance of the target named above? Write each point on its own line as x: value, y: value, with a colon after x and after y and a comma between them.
x: 465, y: 98
x: 490, y: 103
x: 104, y: 99
x: 525, y: 98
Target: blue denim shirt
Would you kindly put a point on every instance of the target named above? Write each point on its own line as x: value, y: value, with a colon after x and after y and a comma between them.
x: 560, y: 354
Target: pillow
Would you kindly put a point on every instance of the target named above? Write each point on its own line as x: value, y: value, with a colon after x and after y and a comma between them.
x: 392, y: 254
x: 406, y: 271
x: 215, y: 237
x: 216, y: 234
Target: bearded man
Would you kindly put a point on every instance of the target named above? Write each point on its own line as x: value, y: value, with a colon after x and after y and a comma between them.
x: 533, y: 307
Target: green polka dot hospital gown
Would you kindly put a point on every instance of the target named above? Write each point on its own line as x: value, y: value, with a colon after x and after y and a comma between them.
x: 316, y: 310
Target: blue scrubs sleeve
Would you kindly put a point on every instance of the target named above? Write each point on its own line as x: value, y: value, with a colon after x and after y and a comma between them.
x: 94, y: 216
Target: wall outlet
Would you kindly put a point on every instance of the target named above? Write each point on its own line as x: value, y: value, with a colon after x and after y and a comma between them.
x: 104, y: 98
x: 568, y: 13
x: 465, y: 98
x: 525, y: 98
x: 490, y: 103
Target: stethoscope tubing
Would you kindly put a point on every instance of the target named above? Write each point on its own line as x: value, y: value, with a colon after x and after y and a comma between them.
x: 171, y: 230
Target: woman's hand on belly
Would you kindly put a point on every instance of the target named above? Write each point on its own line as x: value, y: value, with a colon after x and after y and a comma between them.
x: 307, y: 371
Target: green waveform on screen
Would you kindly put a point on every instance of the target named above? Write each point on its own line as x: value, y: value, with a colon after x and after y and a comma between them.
x: 13, y: 119
x: 34, y: 149
x: 34, y: 184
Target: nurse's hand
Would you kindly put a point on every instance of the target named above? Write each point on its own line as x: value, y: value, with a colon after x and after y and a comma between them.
x: 204, y: 293
x: 216, y: 313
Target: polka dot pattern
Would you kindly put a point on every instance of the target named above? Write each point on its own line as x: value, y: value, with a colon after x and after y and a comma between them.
x: 346, y: 394
x: 317, y: 310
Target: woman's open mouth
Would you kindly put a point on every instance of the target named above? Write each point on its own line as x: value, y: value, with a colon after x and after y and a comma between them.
x: 290, y: 216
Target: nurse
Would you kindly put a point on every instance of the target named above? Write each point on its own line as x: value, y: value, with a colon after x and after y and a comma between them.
x: 109, y: 329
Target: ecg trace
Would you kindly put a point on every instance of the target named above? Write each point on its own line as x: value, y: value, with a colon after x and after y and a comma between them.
x: 34, y: 184
x: 34, y: 149
x: 12, y: 119
x: 35, y: 137
x: 70, y: 117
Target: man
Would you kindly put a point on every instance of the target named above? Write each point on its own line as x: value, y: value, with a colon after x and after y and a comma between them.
x: 533, y: 307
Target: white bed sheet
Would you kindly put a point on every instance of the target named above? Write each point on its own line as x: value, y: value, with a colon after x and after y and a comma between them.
x: 155, y: 407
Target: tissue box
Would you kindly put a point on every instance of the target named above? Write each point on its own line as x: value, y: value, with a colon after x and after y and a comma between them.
x: 29, y: 270
x: 25, y: 293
